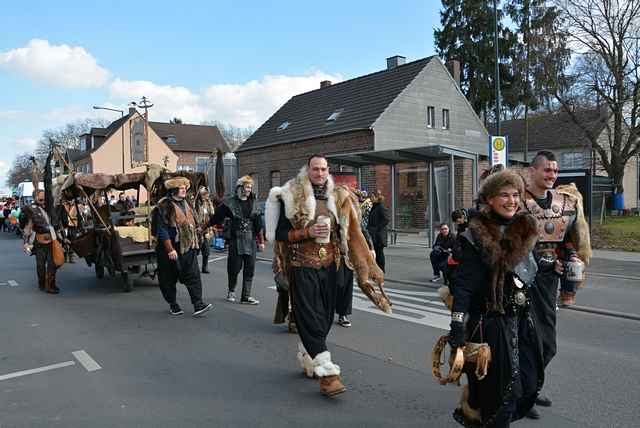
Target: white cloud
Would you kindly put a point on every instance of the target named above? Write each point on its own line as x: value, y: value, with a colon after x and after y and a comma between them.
x: 11, y: 114
x: 168, y: 101
x: 242, y: 104
x: 60, y: 65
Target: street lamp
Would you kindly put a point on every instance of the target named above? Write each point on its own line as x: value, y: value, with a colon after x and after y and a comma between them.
x: 121, y: 132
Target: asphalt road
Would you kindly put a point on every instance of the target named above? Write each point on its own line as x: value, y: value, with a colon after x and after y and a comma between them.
x: 234, y: 368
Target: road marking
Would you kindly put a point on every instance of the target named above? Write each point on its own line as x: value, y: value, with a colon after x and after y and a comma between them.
x: 217, y: 258
x: 12, y: 283
x: 37, y: 370
x: 86, y: 361
x: 432, y: 313
x: 3, y: 283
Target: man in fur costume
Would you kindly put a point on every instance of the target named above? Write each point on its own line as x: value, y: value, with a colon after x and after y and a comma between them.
x: 205, y: 212
x: 39, y: 234
x: 175, y: 227
x: 563, y: 235
x: 319, y: 224
x: 245, y: 237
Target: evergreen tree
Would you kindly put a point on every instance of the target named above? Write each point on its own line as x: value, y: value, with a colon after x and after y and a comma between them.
x: 540, y: 44
x: 467, y: 35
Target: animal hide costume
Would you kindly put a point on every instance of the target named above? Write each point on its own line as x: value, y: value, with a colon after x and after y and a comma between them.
x: 312, y: 265
x: 299, y: 208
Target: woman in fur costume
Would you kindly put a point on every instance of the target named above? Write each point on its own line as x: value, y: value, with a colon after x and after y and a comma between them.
x: 491, y: 292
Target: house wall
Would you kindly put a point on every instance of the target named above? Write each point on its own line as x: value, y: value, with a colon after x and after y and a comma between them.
x: 630, y: 181
x: 188, y: 159
x: 107, y: 158
x: 404, y: 123
x: 290, y: 157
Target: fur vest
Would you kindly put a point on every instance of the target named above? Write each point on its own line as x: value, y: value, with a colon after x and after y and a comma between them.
x: 186, y: 229
x: 502, y: 249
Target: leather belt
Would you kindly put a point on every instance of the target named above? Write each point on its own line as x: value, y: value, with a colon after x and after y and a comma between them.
x: 311, y: 254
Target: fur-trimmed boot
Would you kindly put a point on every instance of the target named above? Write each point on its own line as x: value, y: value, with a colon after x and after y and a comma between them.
x: 306, y: 363
x: 329, y: 374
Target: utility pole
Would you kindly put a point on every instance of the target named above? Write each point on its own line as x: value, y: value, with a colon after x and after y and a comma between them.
x: 497, y: 77
x: 144, y: 103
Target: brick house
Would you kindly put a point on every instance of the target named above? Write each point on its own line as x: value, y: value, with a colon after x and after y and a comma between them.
x: 406, y: 130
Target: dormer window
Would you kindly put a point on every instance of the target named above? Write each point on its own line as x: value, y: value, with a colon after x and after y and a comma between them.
x: 171, y: 139
x: 284, y: 125
x: 334, y: 116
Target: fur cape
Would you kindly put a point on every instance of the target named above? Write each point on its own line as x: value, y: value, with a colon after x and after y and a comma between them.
x: 502, y: 252
x: 300, y: 207
x: 579, y: 234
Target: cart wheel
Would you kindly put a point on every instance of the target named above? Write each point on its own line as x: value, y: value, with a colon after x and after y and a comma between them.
x: 127, y: 282
x: 99, y: 271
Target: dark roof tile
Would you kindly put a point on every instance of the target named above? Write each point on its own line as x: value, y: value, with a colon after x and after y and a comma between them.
x: 362, y: 101
x: 191, y: 138
x: 552, y: 130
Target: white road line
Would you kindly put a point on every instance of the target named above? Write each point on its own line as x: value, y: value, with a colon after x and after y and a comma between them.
x: 37, y: 370
x: 429, y: 319
x: 411, y: 293
x: 3, y: 283
x: 410, y: 307
x: 86, y: 360
x: 412, y: 298
x: 217, y: 258
x: 12, y: 283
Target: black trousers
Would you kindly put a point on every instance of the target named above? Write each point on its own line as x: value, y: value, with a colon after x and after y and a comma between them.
x: 240, y: 262
x: 45, y: 268
x: 185, y: 270
x: 378, y: 247
x: 438, y: 261
x: 205, y: 250
x: 344, y: 294
x: 314, y: 303
x: 543, y: 302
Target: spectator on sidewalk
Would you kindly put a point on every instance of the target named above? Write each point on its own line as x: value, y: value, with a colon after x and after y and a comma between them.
x: 377, y: 227
x: 443, y: 246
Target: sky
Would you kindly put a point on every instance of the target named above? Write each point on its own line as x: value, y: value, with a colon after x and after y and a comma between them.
x: 230, y: 61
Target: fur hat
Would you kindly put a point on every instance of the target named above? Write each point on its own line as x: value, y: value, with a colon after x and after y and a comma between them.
x: 247, y: 179
x: 175, y: 182
x: 496, y: 181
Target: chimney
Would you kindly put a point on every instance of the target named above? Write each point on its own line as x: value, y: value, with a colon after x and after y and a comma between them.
x: 132, y: 110
x: 454, y: 69
x: 395, y: 61
x: 325, y: 84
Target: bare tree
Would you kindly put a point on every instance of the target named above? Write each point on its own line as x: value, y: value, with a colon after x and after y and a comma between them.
x: 67, y: 135
x: 20, y: 170
x: 604, y: 36
x: 234, y: 135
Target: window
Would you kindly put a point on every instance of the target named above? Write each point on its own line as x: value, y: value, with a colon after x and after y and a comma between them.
x: 431, y: 116
x: 202, y: 164
x: 83, y: 144
x: 334, y: 116
x: 445, y: 118
x: 412, y: 179
x: 171, y: 139
x: 572, y: 160
x: 284, y: 125
x: 275, y: 178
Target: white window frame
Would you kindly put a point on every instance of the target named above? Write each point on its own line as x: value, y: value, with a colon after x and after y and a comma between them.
x: 446, y: 118
x: 199, y: 158
x: 431, y: 117
x: 569, y: 160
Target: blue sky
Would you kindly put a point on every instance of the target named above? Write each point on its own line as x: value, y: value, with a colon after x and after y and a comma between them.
x: 232, y: 61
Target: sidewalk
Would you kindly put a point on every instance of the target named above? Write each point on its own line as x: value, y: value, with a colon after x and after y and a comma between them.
x: 408, y: 241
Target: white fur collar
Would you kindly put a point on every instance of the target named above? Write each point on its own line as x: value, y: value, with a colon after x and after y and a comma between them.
x: 299, y: 203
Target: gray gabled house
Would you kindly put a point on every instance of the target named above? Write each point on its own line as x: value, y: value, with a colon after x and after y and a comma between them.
x: 397, y: 130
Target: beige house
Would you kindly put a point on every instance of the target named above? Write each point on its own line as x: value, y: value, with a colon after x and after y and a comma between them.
x: 178, y: 147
